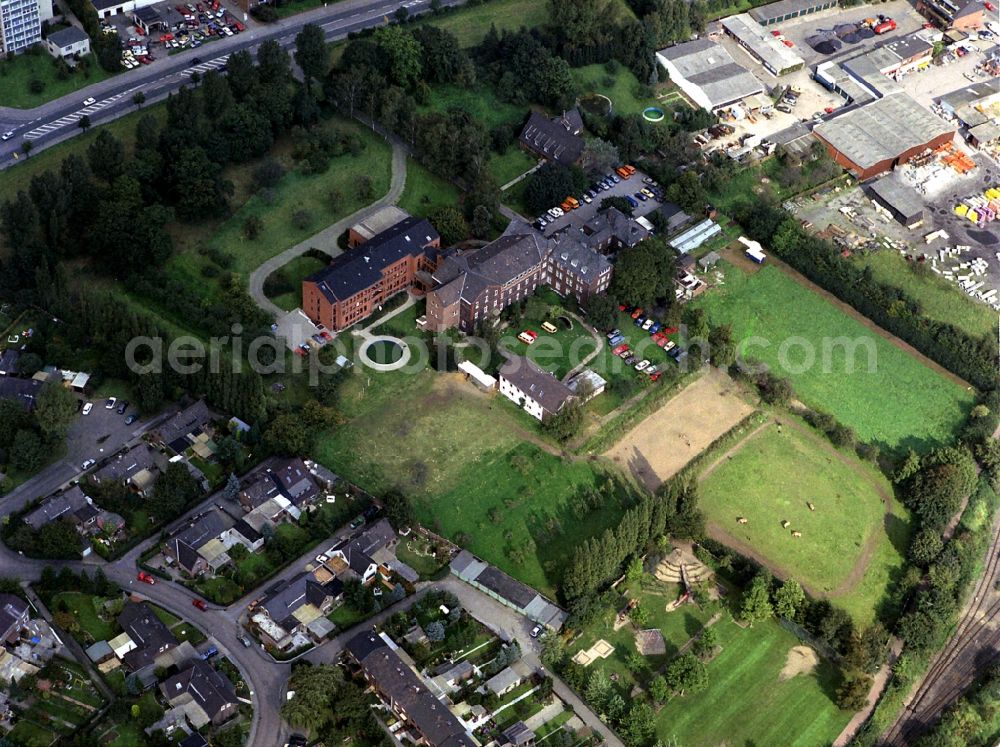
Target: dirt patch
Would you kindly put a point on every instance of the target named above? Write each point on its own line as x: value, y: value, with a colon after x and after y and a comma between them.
x: 801, y: 660
x: 662, y: 444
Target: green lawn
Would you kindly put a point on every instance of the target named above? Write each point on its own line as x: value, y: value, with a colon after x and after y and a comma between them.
x: 418, y: 554
x: 889, y: 397
x: 461, y: 456
x: 185, y: 631
x: 290, y: 285
x: 17, y: 72
x: 425, y: 192
x: 471, y: 23
x: 621, y: 86
x: 85, y: 608
x: 747, y: 703
x: 479, y: 101
x: 772, y: 477
x: 29, y: 734
x: 939, y: 299
x: 510, y: 165
x: 220, y: 590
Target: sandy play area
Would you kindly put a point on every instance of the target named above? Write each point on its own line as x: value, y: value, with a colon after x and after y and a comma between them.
x: 660, y: 446
x: 801, y: 660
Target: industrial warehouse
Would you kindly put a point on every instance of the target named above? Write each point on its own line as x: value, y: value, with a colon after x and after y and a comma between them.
x: 708, y: 74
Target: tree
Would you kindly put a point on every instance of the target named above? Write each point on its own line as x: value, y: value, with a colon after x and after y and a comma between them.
x: 398, y: 509
x: 287, y: 435
x: 852, y: 695
x: 253, y: 227
x: 315, y: 690
x: 705, y: 643
x: 403, y: 55
x: 686, y: 674
x: 435, y: 631
x: 644, y: 274
x: 26, y: 147
x: 28, y: 452
x: 659, y: 690
x: 757, y: 600
x: 551, y: 184
x: 312, y: 53
x: 599, y: 689
x: 640, y: 724
x: 599, y: 157
x: 722, y: 346
x: 925, y: 546
x: 174, y: 491
x: 84, y: 122
x: 602, y: 311
x: 788, y: 599
x: 55, y: 409
x: 106, y: 156
x: 482, y: 222
x: 138, y: 99
x: 450, y: 223
x: 565, y: 425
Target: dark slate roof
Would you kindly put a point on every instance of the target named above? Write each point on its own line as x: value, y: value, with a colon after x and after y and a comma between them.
x: 557, y: 139
x: 85, y: 513
x: 518, y: 734
x: 432, y: 718
x: 12, y: 609
x: 573, y: 257
x: 969, y: 9
x: 194, y: 740
x: 209, y: 688
x: 147, y: 632
x: 536, y: 383
x: 22, y: 390
x: 147, y: 15
x: 354, y: 271
x: 294, y: 481
x: 510, y: 589
x: 676, y: 217
x: 298, y: 592
x: 56, y: 507
x: 613, y: 223
x: 8, y: 361
x: 66, y: 37
x: 124, y: 466
x: 259, y: 489
x: 247, y: 531
x: 202, y: 530
x: 184, y: 422
x: 359, y: 550
x: 466, y: 275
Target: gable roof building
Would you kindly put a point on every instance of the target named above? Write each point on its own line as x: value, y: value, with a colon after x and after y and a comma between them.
x: 8, y: 361
x: 14, y: 613
x: 557, y: 139
x: 298, y: 606
x: 148, y: 635
x: 70, y: 505
x: 405, y: 693
x: 708, y: 74
x: 356, y: 282
x: 179, y: 431
x: 611, y: 230
x: 189, y: 546
x: 136, y: 468
x: 206, y: 688
x: 22, y: 391
x: 527, y: 385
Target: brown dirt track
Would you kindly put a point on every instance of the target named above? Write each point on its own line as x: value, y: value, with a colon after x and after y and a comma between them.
x: 662, y: 444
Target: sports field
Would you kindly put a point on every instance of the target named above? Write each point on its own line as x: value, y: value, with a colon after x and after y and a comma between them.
x: 770, y: 478
x: 469, y: 464
x: 748, y: 702
x: 835, y: 362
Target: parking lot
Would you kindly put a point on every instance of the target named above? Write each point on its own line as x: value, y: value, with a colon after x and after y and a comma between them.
x: 100, y: 433
x: 180, y: 26
x: 623, y: 188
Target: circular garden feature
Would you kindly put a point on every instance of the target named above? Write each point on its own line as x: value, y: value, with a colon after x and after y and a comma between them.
x: 385, y: 352
x: 653, y: 114
x: 596, y: 104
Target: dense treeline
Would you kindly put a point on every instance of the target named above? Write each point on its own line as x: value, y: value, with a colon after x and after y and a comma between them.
x: 888, y: 306
x: 971, y: 722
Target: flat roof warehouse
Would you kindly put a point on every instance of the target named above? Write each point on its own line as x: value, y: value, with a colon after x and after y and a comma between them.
x: 784, y: 10
x: 776, y: 58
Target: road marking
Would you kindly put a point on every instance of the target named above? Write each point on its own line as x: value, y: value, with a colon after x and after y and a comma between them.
x: 76, y: 116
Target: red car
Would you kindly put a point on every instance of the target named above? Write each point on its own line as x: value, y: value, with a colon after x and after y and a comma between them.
x: 668, y: 330
x: 622, y: 307
x: 620, y: 349
x: 200, y: 604
x: 661, y: 342
x: 531, y: 333
x: 239, y: 26
x: 656, y: 376
x: 146, y: 578
x: 637, y: 313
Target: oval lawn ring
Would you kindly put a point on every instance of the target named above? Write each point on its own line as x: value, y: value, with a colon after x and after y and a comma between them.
x: 653, y: 114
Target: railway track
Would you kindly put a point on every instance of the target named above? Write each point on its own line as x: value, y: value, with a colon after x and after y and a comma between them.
x: 973, y: 646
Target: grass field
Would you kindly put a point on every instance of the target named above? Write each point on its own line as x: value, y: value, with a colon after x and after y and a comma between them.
x: 295, y: 272
x: 461, y: 457
x: 479, y: 101
x: 425, y: 192
x: 940, y: 300
x: 85, y: 608
x: 471, y: 23
x: 621, y: 86
x: 17, y: 72
x: 888, y: 397
x: 747, y: 703
x: 510, y: 165
x: 771, y: 478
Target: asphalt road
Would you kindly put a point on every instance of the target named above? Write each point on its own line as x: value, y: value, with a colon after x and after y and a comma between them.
x: 56, y: 120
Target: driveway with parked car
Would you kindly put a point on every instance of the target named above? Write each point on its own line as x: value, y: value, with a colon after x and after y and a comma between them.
x: 599, y: 190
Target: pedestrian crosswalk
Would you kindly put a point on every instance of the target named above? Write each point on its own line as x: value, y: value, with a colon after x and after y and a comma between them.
x: 71, y: 119
x: 205, y: 67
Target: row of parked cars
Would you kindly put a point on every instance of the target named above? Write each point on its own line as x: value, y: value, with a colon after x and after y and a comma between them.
x: 602, y: 185
x: 658, y: 332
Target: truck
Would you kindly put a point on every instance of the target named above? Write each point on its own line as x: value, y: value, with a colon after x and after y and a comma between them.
x: 146, y: 578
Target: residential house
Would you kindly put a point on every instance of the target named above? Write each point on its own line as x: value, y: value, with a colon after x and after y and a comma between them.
x: 136, y: 468
x: 68, y: 42
x: 290, y: 479
x: 73, y: 506
x: 429, y: 720
x: 8, y: 362
x: 503, y: 681
x: 241, y: 533
x: 296, y: 610
x: 186, y: 428
x: 14, y: 615
x: 370, y: 554
x: 357, y: 282
x: 209, y: 692
x: 557, y: 139
x: 518, y: 735
x: 22, y: 391
x: 532, y: 388
x: 199, y: 546
x: 144, y: 639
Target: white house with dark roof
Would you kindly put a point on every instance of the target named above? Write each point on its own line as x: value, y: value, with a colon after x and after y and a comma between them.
x: 536, y: 391
x: 68, y: 42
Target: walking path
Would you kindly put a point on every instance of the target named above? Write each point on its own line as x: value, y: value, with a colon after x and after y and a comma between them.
x: 328, y: 236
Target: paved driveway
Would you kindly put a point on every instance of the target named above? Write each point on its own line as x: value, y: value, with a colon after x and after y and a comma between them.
x: 584, y: 213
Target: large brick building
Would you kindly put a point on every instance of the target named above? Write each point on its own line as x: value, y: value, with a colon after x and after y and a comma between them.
x: 352, y: 286
x: 471, y: 286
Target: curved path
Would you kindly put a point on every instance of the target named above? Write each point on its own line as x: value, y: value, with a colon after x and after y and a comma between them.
x: 329, y: 234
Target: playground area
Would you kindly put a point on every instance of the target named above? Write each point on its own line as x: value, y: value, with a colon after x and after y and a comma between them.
x: 662, y: 444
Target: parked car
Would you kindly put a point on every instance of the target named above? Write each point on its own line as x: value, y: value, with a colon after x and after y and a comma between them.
x: 89, y: 100
x: 122, y: 406
x: 536, y: 631
x: 131, y: 419
x: 619, y: 349
x: 245, y: 641
x: 617, y: 340
x: 146, y: 578
x: 110, y: 404
x: 7, y: 135
x: 200, y: 604
x: 630, y: 361
x: 614, y: 333
x: 88, y: 464
x: 647, y: 324
x: 637, y: 313
x: 641, y: 365
x: 633, y: 203
x: 651, y: 370
x: 648, y: 192
x: 640, y: 197
x: 87, y: 408
x: 655, y: 328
